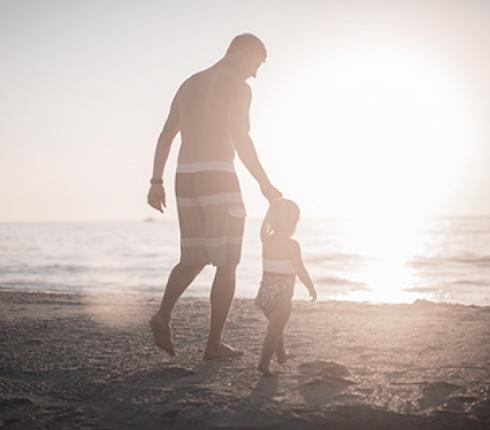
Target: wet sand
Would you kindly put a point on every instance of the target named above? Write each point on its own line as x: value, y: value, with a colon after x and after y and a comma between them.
x: 88, y: 361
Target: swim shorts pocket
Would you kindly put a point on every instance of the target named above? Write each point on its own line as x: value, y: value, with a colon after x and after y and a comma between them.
x: 237, y: 211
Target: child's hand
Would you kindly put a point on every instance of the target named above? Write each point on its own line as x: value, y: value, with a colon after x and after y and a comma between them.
x: 313, y: 294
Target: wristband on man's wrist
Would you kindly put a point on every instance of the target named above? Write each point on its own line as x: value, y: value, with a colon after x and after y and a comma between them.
x: 156, y: 181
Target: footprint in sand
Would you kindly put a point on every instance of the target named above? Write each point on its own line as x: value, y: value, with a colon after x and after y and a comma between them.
x: 437, y: 393
x: 323, y: 381
x: 460, y: 403
x: 323, y: 367
x: 482, y: 410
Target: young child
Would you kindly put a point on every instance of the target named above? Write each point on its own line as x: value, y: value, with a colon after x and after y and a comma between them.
x: 281, y: 260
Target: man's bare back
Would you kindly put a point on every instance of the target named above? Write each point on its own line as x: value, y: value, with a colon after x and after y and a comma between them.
x: 211, y: 104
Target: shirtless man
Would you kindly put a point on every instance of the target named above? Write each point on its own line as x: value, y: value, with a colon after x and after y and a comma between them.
x: 211, y: 111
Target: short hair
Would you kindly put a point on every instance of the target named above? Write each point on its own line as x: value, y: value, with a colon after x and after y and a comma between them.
x: 246, y: 42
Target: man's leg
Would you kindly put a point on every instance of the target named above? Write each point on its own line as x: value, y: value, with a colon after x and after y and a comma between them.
x: 180, y: 278
x: 222, y: 293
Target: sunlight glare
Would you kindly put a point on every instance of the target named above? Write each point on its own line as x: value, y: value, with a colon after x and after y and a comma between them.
x: 381, y: 131
x: 387, y: 243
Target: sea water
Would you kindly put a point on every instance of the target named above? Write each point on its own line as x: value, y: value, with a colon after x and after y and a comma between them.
x: 375, y: 260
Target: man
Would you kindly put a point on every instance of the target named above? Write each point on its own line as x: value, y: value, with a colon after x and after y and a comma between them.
x: 211, y: 111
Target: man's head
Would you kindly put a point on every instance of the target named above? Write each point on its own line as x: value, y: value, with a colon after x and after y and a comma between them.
x: 247, y: 52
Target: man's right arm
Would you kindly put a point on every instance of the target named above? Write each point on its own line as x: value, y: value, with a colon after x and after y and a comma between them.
x: 156, y: 195
x: 170, y: 130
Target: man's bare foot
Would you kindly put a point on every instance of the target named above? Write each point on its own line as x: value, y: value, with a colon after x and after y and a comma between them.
x: 162, y: 334
x: 223, y: 351
x: 265, y: 370
x: 283, y: 356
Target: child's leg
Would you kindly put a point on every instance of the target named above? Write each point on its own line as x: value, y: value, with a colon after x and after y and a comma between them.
x: 277, y: 321
x: 280, y: 351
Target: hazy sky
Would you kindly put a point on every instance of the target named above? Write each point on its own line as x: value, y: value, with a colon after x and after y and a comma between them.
x: 362, y: 106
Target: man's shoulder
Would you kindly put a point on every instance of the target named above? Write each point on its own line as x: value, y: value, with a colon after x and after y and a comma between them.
x: 212, y: 75
x: 241, y: 91
x: 244, y: 88
x: 222, y: 82
x: 186, y: 87
x: 191, y: 79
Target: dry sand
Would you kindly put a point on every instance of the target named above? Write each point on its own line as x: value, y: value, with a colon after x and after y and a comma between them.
x: 88, y: 361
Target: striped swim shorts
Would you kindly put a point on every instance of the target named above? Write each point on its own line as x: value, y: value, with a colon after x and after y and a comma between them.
x: 211, y: 213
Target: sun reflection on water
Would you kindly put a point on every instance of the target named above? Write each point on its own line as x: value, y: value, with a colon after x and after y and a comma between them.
x: 388, y: 243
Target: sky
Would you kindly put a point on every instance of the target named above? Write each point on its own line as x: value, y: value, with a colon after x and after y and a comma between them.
x: 363, y: 107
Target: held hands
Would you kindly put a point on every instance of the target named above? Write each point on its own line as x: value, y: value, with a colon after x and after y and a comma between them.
x: 312, y: 293
x: 156, y: 197
x: 270, y: 192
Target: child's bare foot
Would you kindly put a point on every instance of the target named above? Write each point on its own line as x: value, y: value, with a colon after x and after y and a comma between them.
x: 265, y: 370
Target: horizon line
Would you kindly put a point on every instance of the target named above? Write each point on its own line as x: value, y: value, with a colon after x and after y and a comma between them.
x: 152, y: 219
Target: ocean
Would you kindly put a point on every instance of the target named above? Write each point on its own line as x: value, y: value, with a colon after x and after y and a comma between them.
x: 369, y: 260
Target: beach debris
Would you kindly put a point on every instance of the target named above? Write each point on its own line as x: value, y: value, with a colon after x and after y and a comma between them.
x: 424, y: 304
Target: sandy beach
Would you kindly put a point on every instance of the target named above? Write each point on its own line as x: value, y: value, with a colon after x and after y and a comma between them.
x: 88, y: 361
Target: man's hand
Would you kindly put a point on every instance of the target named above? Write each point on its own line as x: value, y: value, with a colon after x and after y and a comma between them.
x: 270, y: 192
x: 156, y: 197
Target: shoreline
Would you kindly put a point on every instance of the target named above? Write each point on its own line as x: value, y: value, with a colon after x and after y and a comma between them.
x: 144, y: 295
x: 74, y: 360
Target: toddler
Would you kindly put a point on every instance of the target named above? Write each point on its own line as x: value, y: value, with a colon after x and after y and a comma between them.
x: 281, y: 262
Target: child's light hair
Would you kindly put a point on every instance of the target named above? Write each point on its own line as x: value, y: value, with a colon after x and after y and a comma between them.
x: 281, y: 217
